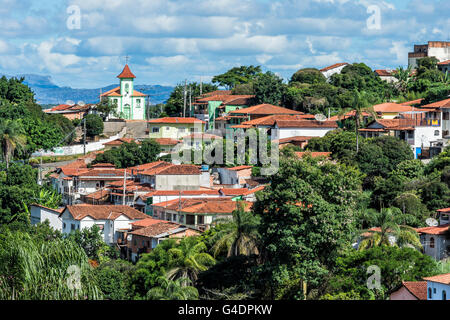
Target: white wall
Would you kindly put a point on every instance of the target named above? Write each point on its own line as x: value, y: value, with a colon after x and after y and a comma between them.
x: 177, y: 182
x: 39, y: 214
x: 281, y: 133
x: 329, y: 73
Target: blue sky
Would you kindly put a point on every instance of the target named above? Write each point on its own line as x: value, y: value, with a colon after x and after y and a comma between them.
x: 170, y: 40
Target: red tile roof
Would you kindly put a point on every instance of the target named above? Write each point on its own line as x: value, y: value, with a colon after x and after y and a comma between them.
x: 313, y: 154
x: 444, y: 62
x: 147, y: 222
x: 202, y: 205
x: 293, y: 139
x: 156, y: 229
x: 384, y: 73
x: 264, y: 109
x: 270, y: 120
x: 126, y: 73
x: 334, y: 66
x: 306, y: 124
x: 416, y: 288
x: 197, y: 135
x: 104, y: 212
x: 445, y: 210
x: 182, y: 169
x: 442, y: 278
x: 167, y: 141
x: 176, y: 120
x: 240, y: 168
x: 119, y: 142
x: 59, y: 210
x: 438, y: 230
x: 439, y: 104
x: 412, y: 102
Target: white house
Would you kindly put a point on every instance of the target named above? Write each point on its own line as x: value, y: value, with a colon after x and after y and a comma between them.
x: 333, y: 69
x: 438, y: 287
x: 40, y: 214
x: 305, y: 128
x: 110, y: 219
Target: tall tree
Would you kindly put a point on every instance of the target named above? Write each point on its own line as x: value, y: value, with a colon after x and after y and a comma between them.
x: 188, y: 259
x: 239, y: 236
x: 390, y: 233
x: 173, y: 290
x: 237, y: 75
x: 11, y: 137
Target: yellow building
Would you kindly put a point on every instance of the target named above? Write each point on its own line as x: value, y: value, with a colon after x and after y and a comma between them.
x: 175, y: 127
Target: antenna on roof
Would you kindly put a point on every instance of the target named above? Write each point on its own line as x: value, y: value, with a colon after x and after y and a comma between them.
x: 320, y: 117
x: 432, y: 222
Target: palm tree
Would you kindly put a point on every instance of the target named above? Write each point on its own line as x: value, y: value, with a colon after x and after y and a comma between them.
x: 388, y: 232
x: 188, y: 259
x: 360, y: 106
x: 34, y: 270
x: 403, y: 77
x: 11, y: 137
x: 239, y: 236
x: 173, y: 290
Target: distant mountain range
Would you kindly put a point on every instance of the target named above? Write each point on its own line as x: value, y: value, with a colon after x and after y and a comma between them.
x: 48, y: 93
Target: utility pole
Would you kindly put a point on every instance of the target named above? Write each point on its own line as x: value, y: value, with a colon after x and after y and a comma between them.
x: 190, y: 100
x: 184, y: 100
x: 84, y: 136
x: 124, y: 185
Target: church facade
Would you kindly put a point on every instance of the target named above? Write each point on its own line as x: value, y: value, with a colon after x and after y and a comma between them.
x: 130, y: 104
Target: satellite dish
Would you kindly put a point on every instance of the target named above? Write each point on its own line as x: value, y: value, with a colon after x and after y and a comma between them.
x: 320, y: 117
x: 70, y: 103
x: 81, y: 103
x: 432, y: 222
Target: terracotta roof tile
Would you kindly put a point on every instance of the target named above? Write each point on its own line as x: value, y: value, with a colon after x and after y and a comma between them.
x: 167, y: 141
x: 438, y: 230
x: 442, y: 278
x: 202, y: 205
x: 156, y: 229
x: 182, y: 169
x: 176, y: 120
x: 334, y: 66
x: 104, y: 212
x: 417, y: 288
x: 265, y: 109
x: 126, y: 73
x: 305, y: 124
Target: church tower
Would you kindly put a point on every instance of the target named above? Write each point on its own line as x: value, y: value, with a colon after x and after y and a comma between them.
x: 130, y: 103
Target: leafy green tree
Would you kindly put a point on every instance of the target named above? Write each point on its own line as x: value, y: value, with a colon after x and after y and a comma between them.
x: 396, y: 265
x: 94, y: 125
x: 175, y: 104
x: 341, y: 144
x: 307, y: 217
x: 308, y: 75
x: 173, y: 290
x: 239, y: 236
x: 106, y: 108
x: 389, y: 229
x: 90, y: 239
x: 237, y: 75
x: 131, y: 154
x: 114, y: 279
x: 269, y: 88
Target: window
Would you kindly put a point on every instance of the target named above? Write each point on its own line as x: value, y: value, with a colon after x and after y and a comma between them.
x: 155, y: 129
x: 127, y: 88
x: 430, y: 295
x: 64, y: 225
x: 182, y: 129
x: 436, y: 132
x: 167, y: 128
x: 431, y: 242
x: 445, y: 115
x: 434, y: 290
x: 72, y: 226
x: 444, y: 295
x: 115, y: 101
x: 138, y: 102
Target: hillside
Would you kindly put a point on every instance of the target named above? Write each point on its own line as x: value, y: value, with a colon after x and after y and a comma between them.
x: 48, y: 93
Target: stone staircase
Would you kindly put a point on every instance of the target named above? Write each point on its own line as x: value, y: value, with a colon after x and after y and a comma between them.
x: 136, y: 129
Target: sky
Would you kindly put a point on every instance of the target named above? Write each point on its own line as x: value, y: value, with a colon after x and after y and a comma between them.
x: 84, y: 43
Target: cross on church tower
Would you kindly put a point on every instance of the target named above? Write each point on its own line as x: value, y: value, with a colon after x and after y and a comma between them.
x: 126, y: 59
